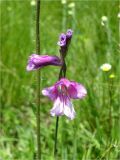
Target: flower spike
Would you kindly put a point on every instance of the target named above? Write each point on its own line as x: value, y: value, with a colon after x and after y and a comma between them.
x: 38, y: 61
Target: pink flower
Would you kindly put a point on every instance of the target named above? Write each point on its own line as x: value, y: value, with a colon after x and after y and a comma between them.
x: 38, y: 61
x: 69, y: 33
x: 61, y: 93
x: 62, y: 40
x: 65, y: 38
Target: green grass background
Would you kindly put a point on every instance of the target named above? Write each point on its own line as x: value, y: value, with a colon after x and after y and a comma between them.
x: 90, y: 135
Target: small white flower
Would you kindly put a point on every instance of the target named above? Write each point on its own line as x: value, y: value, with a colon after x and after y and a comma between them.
x: 104, y: 18
x: 106, y: 67
x: 70, y: 12
x: 63, y: 1
x: 32, y: 3
x: 118, y: 15
x: 71, y: 5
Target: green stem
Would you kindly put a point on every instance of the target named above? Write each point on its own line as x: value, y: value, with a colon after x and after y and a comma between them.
x: 38, y: 79
x: 56, y: 131
x: 110, y: 107
x: 61, y: 74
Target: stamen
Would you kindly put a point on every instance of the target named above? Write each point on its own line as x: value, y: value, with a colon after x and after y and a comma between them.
x: 63, y: 90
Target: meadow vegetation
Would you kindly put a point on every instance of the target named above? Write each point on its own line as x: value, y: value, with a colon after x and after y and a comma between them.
x: 95, y: 132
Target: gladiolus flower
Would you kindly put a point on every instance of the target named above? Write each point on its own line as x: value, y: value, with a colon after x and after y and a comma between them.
x: 38, y: 61
x: 69, y: 33
x: 61, y: 94
x: 62, y: 40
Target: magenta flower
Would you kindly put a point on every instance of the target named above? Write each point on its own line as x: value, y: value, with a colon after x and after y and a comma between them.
x: 38, y: 61
x: 65, y: 38
x: 62, y: 40
x: 69, y: 33
x: 61, y: 93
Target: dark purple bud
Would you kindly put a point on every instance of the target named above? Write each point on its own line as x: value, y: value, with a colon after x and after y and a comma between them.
x: 62, y: 40
x: 69, y: 33
x: 38, y: 61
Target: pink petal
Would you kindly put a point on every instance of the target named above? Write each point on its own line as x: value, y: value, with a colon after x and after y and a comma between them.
x: 38, y: 61
x: 65, y: 82
x: 77, y: 90
x: 50, y: 92
x: 57, y: 109
x: 69, y: 110
x: 30, y: 67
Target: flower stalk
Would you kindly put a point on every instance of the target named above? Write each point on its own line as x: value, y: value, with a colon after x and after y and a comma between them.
x: 63, y: 90
x: 110, y: 87
x: 56, y: 131
x: 61, y: 74
x: 64, y: 44
x: 38, y: 79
